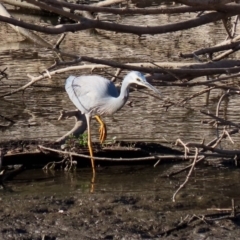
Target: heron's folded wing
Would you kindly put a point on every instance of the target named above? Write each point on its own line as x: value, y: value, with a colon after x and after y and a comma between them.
x: 90, y: 93
x: 75, y: 92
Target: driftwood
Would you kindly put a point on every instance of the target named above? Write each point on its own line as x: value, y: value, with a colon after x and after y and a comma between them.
x: 79, y: 127
x: 89, y: 24
x: 218, y: 214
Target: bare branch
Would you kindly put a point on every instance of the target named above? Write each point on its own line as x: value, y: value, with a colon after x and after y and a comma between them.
x: 89, y: 23
x: 223, y: 121
x: 96, y: 158
x: 204, y: 2
x: 188, y: 176
x: 79, y: 127
x: 98, y: 7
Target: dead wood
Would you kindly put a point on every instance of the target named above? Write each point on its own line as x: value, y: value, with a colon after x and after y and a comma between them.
x: 188, y: 176
x: 194, y: 220
x: 98, y: 7
x: 90, y: 23
x: 79, y: 127
x: 204, y: 2
x: 96, y: 158
x: 209, y: 144
x: 197, y: 70
x: 210, y: 50
x: 221, y: 120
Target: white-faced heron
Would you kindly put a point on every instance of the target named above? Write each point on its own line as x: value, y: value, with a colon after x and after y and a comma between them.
x: 96, y: 96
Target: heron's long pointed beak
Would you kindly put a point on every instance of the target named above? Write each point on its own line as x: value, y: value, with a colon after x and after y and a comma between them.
x: 149, y: 86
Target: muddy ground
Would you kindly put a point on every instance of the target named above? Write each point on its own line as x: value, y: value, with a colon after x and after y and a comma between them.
x: 80, y: 210
x: 107, y: 216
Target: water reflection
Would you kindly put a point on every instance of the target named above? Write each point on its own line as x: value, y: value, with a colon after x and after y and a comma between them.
x: 206, y: 188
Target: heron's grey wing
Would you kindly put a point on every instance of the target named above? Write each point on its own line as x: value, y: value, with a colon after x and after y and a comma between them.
x: 75, y: 90
x: 90, y: 93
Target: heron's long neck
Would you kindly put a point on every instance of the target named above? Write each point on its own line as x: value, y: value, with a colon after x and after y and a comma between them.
x: 123, y: 96
x: 124, y: 92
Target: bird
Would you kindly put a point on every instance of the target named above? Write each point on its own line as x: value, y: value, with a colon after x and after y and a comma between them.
x: 95, y: 96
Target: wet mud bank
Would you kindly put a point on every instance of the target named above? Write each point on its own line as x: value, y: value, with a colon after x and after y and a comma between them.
x: 109, y: 216
x: 127, y: 201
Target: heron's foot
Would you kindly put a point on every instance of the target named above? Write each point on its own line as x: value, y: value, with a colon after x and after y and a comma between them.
x: 103, y: 133
x: 102, y: 129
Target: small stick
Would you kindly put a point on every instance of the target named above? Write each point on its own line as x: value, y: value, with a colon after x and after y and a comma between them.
x: 211, y: 143
x: 183, y: 101
x: 223, y: 121
x: 186, y: 149
x: 59, y: 41
x: 185, y: 168
x: 47, y: 72
x: 97, y: 158
x: 188, y: 176
x: 114, y: 76
x: 235, y: 26
x: 225, y: 22
x: 158, y: 161
x: 113, y: 79
x: 219, y: 140
x: 228, y: 135
x: 167, y: 71
x: 219, y: 102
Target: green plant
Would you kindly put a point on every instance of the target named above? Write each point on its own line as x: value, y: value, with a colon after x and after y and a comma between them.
x: 82, y: 140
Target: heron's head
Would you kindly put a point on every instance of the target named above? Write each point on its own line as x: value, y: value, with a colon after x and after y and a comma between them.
x: 139, y: 79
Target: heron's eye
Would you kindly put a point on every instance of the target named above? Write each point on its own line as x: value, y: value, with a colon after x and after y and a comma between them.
x: 138, y: 79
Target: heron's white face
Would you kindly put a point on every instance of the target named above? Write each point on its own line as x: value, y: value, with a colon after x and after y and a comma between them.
x: 139, y: 79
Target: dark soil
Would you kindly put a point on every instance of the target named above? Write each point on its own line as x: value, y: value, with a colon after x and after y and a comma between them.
x: 107, y: 216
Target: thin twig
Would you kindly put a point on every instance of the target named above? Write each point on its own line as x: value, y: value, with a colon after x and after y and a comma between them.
x: 188, y: 176
x: 96, y: 158
x: 167, y: 71
x: 223, y: 121
x: 186, y: 149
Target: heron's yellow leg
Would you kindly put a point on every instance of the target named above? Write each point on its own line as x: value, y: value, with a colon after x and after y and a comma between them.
x: 93, y: 164
x: 92, y: 159
x: 91, y: 150
x: 102, y: 129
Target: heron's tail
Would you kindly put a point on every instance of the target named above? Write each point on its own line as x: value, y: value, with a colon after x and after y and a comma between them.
x: 69, y: 82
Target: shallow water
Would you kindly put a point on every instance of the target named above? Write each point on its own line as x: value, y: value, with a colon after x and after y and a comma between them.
x: 206, y: 188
